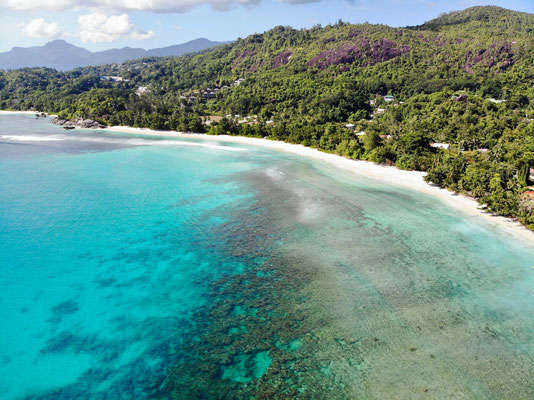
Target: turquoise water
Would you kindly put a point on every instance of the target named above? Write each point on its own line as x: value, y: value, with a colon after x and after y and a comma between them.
x: 137, y: 268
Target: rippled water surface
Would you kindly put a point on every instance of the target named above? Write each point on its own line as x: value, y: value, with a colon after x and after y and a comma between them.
x: 137, y: 268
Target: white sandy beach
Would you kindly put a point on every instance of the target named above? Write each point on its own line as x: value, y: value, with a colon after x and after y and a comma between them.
x: 17, y: 112
x: 4, y: 112
x: 390, y: 175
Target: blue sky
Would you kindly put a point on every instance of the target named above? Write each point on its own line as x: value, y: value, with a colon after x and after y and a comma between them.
x: 104, y: 24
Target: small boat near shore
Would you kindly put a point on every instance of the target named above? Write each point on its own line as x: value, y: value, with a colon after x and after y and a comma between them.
x: 68, y: 128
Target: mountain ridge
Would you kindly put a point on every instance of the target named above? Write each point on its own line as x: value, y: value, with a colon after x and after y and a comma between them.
x: 61, y: 55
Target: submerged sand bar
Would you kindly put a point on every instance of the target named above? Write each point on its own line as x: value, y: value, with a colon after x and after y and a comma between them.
x: 390, y: 175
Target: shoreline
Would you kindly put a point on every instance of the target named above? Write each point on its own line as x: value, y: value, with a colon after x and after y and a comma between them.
x: 386, y: 174
x: 390, y: 175
x: 7, y: 112
x: 17, y: 112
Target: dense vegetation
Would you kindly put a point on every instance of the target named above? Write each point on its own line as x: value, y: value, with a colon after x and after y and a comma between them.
x: 464, y: 79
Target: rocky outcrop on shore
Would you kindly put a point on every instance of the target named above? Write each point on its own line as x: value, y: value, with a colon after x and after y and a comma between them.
x: 79, y: 123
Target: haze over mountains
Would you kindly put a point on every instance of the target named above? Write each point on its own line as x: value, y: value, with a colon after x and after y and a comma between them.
x: 61, y: 55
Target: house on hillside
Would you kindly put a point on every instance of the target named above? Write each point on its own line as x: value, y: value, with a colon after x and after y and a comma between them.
x: 445, y: 146
x: 141, y: 89
x: 113, y: 79
x: 531, y: 176
x: 211, y: 119
x: 350, y: 126
x: 389, y: 98
x: 208, y: 95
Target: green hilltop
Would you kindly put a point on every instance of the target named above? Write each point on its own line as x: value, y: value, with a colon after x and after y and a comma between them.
x: 453, y: 96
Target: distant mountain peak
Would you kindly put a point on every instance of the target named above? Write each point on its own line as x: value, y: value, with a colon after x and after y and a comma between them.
x: 56, y: 42
x: 60, y: 43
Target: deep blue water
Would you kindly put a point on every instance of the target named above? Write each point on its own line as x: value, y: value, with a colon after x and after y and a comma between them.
x: 139, y: 268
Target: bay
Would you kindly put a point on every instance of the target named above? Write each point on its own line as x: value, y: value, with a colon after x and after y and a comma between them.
x: 137, y: 267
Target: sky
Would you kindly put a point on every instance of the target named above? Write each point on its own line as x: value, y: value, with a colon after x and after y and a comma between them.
x: 104, y: 24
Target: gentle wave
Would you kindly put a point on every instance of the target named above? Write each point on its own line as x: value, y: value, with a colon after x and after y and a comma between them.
x: 22, y: 138
x: 131, y: 142
x: 144, y: 142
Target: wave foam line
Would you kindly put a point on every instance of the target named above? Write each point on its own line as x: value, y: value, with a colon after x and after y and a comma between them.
x: 131, y: 142
x: 24, y: 138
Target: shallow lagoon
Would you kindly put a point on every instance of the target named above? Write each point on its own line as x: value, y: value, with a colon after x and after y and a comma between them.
x: 163, y: 269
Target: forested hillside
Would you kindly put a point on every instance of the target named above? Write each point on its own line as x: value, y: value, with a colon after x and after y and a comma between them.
x: 453, y: 97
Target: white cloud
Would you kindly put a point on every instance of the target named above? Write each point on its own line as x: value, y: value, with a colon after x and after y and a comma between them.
x: 180, y: 6
x: 45, y: 4
x: 99, y: 28
x: 38, y: 28
x: 139, y: 34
